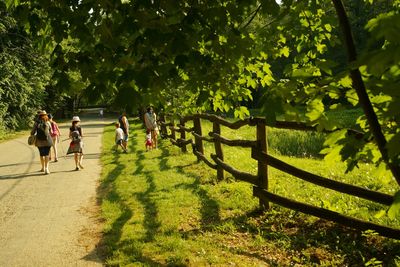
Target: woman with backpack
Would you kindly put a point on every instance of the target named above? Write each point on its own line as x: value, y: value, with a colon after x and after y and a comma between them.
x: 76, y: 145
x: 42, y: 130
x: 55, y: 136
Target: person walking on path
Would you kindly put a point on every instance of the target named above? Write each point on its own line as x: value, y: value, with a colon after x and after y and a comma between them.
x: 150, y: 120
x: 119, y: 137
x: 124, y: 125
x: 55, y: 136
x: 76, y: 145
x: 42, y: 130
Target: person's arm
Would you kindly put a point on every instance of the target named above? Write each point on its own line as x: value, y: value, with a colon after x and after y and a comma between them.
x: 155, y: 120
x: 50, y: 128
x: 33, y: 131
x: 125, y: 125
x: 146, y: 120
x: 58, y: 129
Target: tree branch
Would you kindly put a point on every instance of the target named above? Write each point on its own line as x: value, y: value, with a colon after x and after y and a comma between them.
x: 252, y: 17
x: 359, y: 86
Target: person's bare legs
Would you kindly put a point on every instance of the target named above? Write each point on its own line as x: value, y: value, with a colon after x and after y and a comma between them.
x: 123, y: 148
x: 76, y: 161
x: 46, y: 164
x: 55, y: 140
x: 124, y: 145
x: 154, y: 137
x: 42, y: 163
x: 80, y: 160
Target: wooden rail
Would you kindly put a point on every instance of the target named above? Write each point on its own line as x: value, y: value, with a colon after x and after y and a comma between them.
x: 321, y: 181
x: 259, y: 152
x: 327, y: 214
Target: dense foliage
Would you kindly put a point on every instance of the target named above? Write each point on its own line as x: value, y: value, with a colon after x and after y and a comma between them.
x: 23, y: 75
x: 217, y: 53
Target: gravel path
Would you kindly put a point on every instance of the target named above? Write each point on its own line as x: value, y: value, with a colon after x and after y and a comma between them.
x: 50, y: 220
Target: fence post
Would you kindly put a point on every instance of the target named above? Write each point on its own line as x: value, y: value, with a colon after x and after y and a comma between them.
x: 183, y: 134
x: 172, y: 128
x: 218, y: 150
x: 262, y: 167
x: 197, y: 130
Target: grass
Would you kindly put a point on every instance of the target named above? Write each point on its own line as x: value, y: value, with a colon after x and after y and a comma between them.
x: 6, y: 136
x: 164, y: 208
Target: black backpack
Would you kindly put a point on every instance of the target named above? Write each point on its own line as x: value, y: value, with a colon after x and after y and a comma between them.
x: 41, y: 131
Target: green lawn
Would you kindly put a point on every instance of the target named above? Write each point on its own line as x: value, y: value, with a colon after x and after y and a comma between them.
x: 162, y: 207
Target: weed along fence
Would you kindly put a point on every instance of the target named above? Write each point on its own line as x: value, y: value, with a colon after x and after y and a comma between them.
x: 259, y: 152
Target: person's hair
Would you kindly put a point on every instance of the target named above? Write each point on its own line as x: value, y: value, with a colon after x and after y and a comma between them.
x: 43, y: 117
x: 117, y: 124
x: 148, y: 131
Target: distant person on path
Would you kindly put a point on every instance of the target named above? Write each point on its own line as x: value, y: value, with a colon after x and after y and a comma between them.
x: 150, y: 120
x: 42, y: 130
x: 55, y: 136
x: 124, y: 125
x: 76, y: 145
x: 101, y: 113
x: 119, y: 137
x: 148, y: 142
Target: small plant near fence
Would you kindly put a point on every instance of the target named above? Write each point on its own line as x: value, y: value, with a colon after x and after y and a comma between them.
x: 179, y: 133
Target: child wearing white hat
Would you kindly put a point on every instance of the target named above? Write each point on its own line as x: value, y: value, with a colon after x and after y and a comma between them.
x: 76, y: 145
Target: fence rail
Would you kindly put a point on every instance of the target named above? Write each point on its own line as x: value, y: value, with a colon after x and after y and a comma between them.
x: 259, y: 152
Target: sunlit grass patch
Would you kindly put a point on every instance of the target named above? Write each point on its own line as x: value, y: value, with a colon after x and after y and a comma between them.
x: 162, y: 207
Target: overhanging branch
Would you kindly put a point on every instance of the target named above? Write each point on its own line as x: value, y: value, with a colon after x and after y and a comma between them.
x: 361, y: 91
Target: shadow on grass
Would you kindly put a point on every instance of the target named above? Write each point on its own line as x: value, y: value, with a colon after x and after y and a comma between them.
x: 164, y: 158
x: 316, y: 241
x: 107, y: 192
x: 150, y: 221
x: 289, y: 232
x: 210, y: 210
x: 112, y: 239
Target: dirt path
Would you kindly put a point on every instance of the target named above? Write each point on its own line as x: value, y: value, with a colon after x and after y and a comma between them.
x: 50, y: 220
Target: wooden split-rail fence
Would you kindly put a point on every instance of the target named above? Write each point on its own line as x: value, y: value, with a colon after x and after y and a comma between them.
x: 259, y: 152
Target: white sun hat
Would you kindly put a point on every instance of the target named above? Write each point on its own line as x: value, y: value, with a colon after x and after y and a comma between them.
x: 75, y: 118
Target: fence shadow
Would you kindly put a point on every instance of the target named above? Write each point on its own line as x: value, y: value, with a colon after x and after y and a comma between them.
x: 210, y: 210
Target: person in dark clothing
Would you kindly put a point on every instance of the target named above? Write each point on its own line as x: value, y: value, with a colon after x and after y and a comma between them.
x: 42, y: 130
x: 76, y: 145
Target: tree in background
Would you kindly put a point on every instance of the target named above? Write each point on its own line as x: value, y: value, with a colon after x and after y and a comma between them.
x: 23, y: 75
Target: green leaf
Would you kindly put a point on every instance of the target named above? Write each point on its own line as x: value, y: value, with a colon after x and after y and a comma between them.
x: 11, y: 3
x: 302, y: 73
x: 394, y: 210
x: 393, y: 145
x: 352, y: 97
x: 328, y: 27
x: 284, y: 51
x: 335, y: 137
x: 222, y: 39
x: 315, y: 108
x: 321, y: 48
x: 346, y: 82
x: 383, y: 173
x: 241, y: 112
x: 380, y: 214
